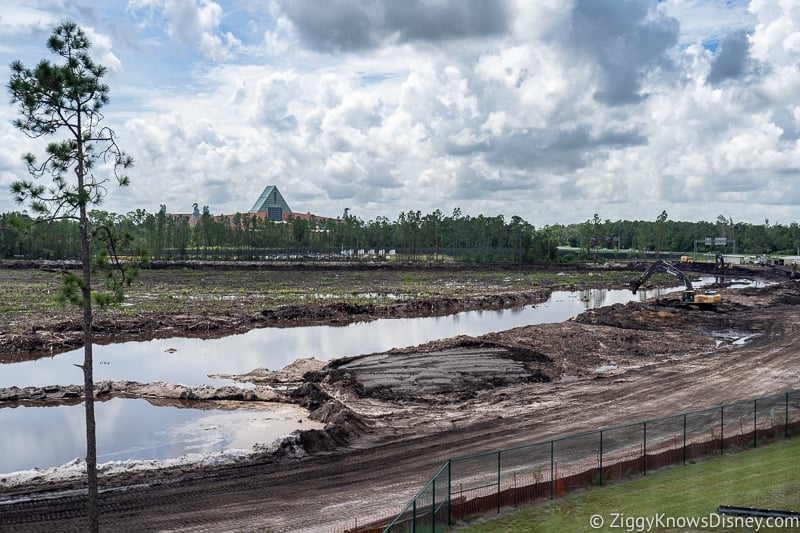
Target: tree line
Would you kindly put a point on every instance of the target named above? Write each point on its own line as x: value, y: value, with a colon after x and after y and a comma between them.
x: 412, y: 236
x: 664, y: 235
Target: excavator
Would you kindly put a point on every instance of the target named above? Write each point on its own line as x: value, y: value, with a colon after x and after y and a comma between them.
x: 690, y: 296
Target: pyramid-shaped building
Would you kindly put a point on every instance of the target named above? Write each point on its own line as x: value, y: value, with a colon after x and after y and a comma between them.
x: 272, y: 203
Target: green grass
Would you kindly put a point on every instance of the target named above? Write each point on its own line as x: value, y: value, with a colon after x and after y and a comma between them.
x: 767, y: 477
x: 27, y: 295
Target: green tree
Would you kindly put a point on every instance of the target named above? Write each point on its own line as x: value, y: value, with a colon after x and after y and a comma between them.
x: 659, y: 231
x: 542, y: 247
x: 431, y: 228
x: 300, y: 231
x: 67, y: 98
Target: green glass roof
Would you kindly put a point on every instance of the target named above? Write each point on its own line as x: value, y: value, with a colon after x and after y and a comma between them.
x: 271, y: 197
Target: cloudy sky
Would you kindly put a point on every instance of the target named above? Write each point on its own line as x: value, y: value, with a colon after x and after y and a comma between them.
x: 552, y: 110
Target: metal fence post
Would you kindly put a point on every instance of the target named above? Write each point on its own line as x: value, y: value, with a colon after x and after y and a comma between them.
x: 601, y: 457
x: 449, y: 492
x: 684, y: 439
x: 552, y: 471
x: 433, y: 505
x: 722, y: 430
x: 755, y: 423
x: 644, y: 449
x: 498, y: 482
x: 786, y: 422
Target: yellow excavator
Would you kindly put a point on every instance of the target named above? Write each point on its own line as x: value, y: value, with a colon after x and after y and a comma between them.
x: 690, y: 295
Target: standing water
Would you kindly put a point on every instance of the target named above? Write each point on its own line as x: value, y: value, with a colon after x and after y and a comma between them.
x: 135, y: 429
x: 190, y: 361
x: 46, y: 436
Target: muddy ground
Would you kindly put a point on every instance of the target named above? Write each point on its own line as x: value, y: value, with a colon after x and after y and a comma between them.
x: 393, y: 418
x: 208, y: 299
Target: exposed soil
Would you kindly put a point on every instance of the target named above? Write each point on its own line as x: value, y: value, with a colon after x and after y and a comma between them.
x: 393, y: 418
x: 206, y: 299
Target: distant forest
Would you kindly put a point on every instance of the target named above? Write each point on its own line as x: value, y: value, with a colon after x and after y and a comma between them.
x: 412, y: 236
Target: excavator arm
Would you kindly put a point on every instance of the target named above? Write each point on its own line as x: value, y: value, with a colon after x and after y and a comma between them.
x: 703, y: 301
x: 666, y: 267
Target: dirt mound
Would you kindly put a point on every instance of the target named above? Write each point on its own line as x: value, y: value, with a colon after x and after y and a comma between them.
x: 660, y: 315
x: 347, y: 312
x: 342, y: 425
x: 291, y: 374
x: 464, y: 367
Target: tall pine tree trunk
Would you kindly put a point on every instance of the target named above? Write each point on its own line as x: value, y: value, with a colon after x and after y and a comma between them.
x: 93, y: 508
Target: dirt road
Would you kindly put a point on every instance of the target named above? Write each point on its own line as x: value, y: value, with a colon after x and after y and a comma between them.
x: 394, y: 418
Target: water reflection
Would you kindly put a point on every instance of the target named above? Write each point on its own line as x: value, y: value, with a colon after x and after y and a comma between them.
x: 135, y: 429
x: 190, y: 361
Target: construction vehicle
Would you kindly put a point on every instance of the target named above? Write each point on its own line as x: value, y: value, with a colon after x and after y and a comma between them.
x: 690, y: 295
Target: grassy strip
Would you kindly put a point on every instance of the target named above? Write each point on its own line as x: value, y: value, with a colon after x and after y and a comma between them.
x: 27, y: 296
x: 766, y: 477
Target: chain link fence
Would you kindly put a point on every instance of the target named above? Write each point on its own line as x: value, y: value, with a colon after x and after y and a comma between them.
x: 477, y: 484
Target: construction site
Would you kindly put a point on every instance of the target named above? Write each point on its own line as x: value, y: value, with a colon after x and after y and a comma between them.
x: 392, y: 417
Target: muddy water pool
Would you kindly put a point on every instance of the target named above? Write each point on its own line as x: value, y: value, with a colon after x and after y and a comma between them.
x: 131, y: 429
x: 190, y: 361
x: 43, y: 436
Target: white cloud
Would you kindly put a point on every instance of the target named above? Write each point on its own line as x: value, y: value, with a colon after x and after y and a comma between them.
x: 776, y: 39
x: 102, y: 49
x: 194, y: 23
x: 708, y: 21
x: 549, y: 110
x: 21, y: 17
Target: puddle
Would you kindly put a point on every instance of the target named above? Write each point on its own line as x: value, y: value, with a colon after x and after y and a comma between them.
x: 744, y: 340
x: 605, y: 368
x: 127, y: 428
x: 734, y: 338
x: 380, y: 296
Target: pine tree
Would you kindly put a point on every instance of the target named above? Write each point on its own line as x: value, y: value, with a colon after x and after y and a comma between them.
x: 67, y: 99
